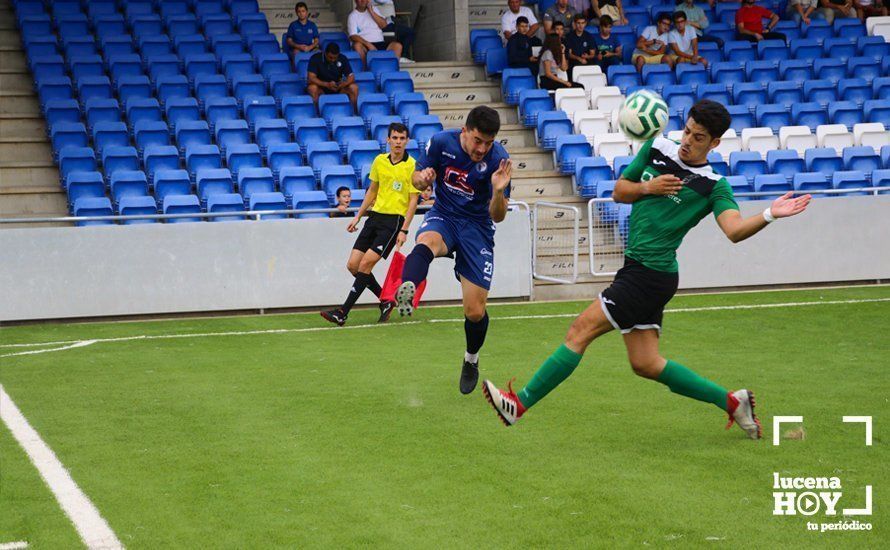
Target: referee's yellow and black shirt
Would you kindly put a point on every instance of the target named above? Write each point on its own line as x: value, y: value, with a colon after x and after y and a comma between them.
x: 393, y: 184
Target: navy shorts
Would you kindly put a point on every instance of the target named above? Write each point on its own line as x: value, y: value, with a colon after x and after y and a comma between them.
x: 471, y: 241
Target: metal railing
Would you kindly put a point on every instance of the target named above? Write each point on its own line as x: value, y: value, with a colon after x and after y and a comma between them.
x: 549, y: 241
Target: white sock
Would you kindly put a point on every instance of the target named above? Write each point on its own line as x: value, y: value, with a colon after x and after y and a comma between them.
x: 471, y: 357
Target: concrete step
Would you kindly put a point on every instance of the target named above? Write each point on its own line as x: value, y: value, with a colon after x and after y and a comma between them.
x: 513, y: 136
x: 10, y: 37
x: 453, y: 116
x: 20, y: 83
x: 488, y: 13
x: 584, y: 290
x: 33, y: 202
x: 15, y: 127
x: 450, y: 72
x: 530, y: 160
x: 13, y: 61
x: 19, y: 104
x: 543, y: 184
x: 444, y: 94
x: 16, y: 149
x: 281, y: 17
x: 313, y: 5
x: 28, y: 175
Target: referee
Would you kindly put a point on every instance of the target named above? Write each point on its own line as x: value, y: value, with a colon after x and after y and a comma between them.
x: 394, y: 201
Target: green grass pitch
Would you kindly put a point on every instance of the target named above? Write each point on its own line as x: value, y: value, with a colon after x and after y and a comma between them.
x: 359, y: 437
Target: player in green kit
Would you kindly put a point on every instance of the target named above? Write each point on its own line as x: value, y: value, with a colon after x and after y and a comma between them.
x: 672, y: 187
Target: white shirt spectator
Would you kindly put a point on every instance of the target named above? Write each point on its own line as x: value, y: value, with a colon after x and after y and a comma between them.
x: 684, y: 41
x: 385, y: 8
x: 362, y: 24
x: 650, y: 33
x: 508, y: 20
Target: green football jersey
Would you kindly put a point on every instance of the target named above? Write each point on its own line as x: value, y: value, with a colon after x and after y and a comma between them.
x: 658, y: 223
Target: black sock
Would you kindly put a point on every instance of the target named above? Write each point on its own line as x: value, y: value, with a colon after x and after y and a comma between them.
x: 417, y: 264
x: 475, y: 332
x: 358, y: 286
x: 373, y: 285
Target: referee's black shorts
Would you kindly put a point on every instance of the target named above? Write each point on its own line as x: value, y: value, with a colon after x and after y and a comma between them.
x: 636, y: 298
x: 379, y: 233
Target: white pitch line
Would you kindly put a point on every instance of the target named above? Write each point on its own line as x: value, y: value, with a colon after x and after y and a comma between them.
x: 18, y: 545
x: 79, y: 344
x: 405, y: 323
x: 91, y: 526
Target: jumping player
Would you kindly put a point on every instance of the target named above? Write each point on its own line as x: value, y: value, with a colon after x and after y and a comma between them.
x: 472, y: 185
x: 672, y: 187
x: 394, y: 202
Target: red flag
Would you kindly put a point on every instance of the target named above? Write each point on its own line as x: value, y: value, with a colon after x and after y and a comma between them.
x: 394, y: 279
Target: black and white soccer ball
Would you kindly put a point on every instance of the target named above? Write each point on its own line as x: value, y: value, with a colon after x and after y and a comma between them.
x: 643, y: 115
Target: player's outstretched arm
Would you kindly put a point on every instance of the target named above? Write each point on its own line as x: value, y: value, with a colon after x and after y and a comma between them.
x: 421, y: 179
x: 738, y: 228
x: 628, y: 191
x: 500, y: 179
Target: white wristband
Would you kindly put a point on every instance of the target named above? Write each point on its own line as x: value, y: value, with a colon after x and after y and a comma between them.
x: 768, y: 216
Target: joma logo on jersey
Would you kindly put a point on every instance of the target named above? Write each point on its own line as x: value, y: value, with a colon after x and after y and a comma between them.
x: 457, y: 180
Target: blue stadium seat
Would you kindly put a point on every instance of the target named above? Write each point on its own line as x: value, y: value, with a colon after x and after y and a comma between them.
x: 84, y: 184
x: 332, y: 106
x: 189, y: 133
x: 245, y: 86
x: 727, y: 72
x: 872, y: 46
x: 810, y: 181
x: 839, y: 48
x: 855, y: 89
x: 157, y: 159
x: 168, y: 87
x: 283, y: 155
x: 785, y: 162
x: 124, y: 65
x: 216, y: 24
x: 231, y: 132
x: 268, y: 201
x: 214, y: 181
x: 862, y: 159
x: 708, y: 50
x: 411, y: 105
x: 715, y: 92
x: 162, y: 65
x: 133, y: 87
x: 863, y: 67
x: 747, y: 163
x: 218, y: 109
x: 116, y: 45
x: 749, y: 94
x: 273, y: 64
x: 63, y: 110
x: 109, y: 25
x: 295, y: 180
x: 551, y: 125
x: 226, y: 45
x: 321, y: 154
x: 830, y: 69
x: 199, y: 64
x: 877, y: 110
x: 850, y: 179
x: 514, y: 81
x: 588, y: 172
x: 740, y: 184
x: 297, y: 108
x: 413, y: 149
x: 533, y: 102
x: 393, y: 84
x: 366, y: 82
x: 762, y: 72
x: 284, y: 86
x: 153, y: 46
x: 807, y: 49
x: 183, y: 24
x: 333, y: 177
x: 881, y: 178
x: 143, y: 110
x: 424, y: 127
x: 48, y: 45
x: 740, y: 51
x: 772, y: 50
x: 820, y: 91
x: 338, y: 37
x: 371, y: 105
x: 569, y: 148
x: 842, y: 27
x: 346, y: 129
x: 116, y: 159
x: 243, y: 156
x: 252, y: 24
x: 772, y: 116
x: 623, y: 76
x: 679, y: 96
x: 621, y: 162
x: 271, y: 131
x: 881, y: 88
x: 771, y: 183
x: 98, y: 7
x: 382, y: 62
x: 717, y: 163
x: 225, y: 202
x: 76, y: 159
x: 818, y: 29
x: 107, y: 134
x: 189, y: 44
x: 255, y: 180
x: 495, y: 60
x: 310, y: 130
x: 48, y: 66
x: 258, y: 108
x: 90, y: 87
x: 824, y: 160
x: 785, y: 93
x: 658, y: 76
x: 482, y: 44
x: 128, y: 183
x: 844, y: 112
x: 691, y: 75
x: 181, y: 108
x: 301, y: 63
x: 181, y: 204
x: 366, y: 177
x: 92, y: 206
x: 261, y: 44
x: 199, y: 158
x: 361, y: 154
x: 203, y: 8
x: 239, y: 7
x: 308, y: 200
x: 795, y: 70
x: 741, y: 117
x: 235, y: 64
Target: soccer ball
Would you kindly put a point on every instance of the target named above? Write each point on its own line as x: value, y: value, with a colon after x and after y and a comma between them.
x: 643, y: 115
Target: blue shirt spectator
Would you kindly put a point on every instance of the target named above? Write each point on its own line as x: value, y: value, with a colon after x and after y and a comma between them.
x: 302, y: 34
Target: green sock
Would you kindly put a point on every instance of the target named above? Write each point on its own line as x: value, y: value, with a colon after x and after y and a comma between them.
x: 685, y: 382
x: 555, y: 369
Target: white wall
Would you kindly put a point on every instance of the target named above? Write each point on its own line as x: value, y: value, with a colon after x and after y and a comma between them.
x: 50, y: 273
x: 835, y: 239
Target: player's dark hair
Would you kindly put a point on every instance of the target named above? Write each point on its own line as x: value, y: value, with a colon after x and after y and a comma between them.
x: 662, y: 16
x: 521, y: 19
x: 579, y: 17
x: 341, y: 189
x: 712, y: 115
x: 679, y: 16
x: 485, y: 119
x: 396, y: 127
x: 301, y: 5
x: 333, y: 48
x: 606, y: 21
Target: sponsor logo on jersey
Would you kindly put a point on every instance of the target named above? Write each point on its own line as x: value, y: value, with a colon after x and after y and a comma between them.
x: 456, y: 180
x: 449, y: 155
x: 481, y: 167
x: 485, y: 252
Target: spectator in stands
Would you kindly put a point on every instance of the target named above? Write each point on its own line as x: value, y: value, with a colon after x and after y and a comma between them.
x: 366, y: 31
x: 404, y: 34
x: 344, y: 198
x: 696, y: 18
x: 519, y: 49
x: 583, y: 7
x: 302, y: 34
x: 804, y: 11
x: 608, y: 50
x: 749, y: 23
x: 560, y: 11
x: 554, y: 64
x: 869, y: 8
x: 426, y: 197
x: 580, y: 46
x: 840, y: 8
x: 559, y: 29
x: 684, y: 42
x: 612, y: 8
x: 652, y: 44
x: 515, y: 11
x: 331, y: 73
